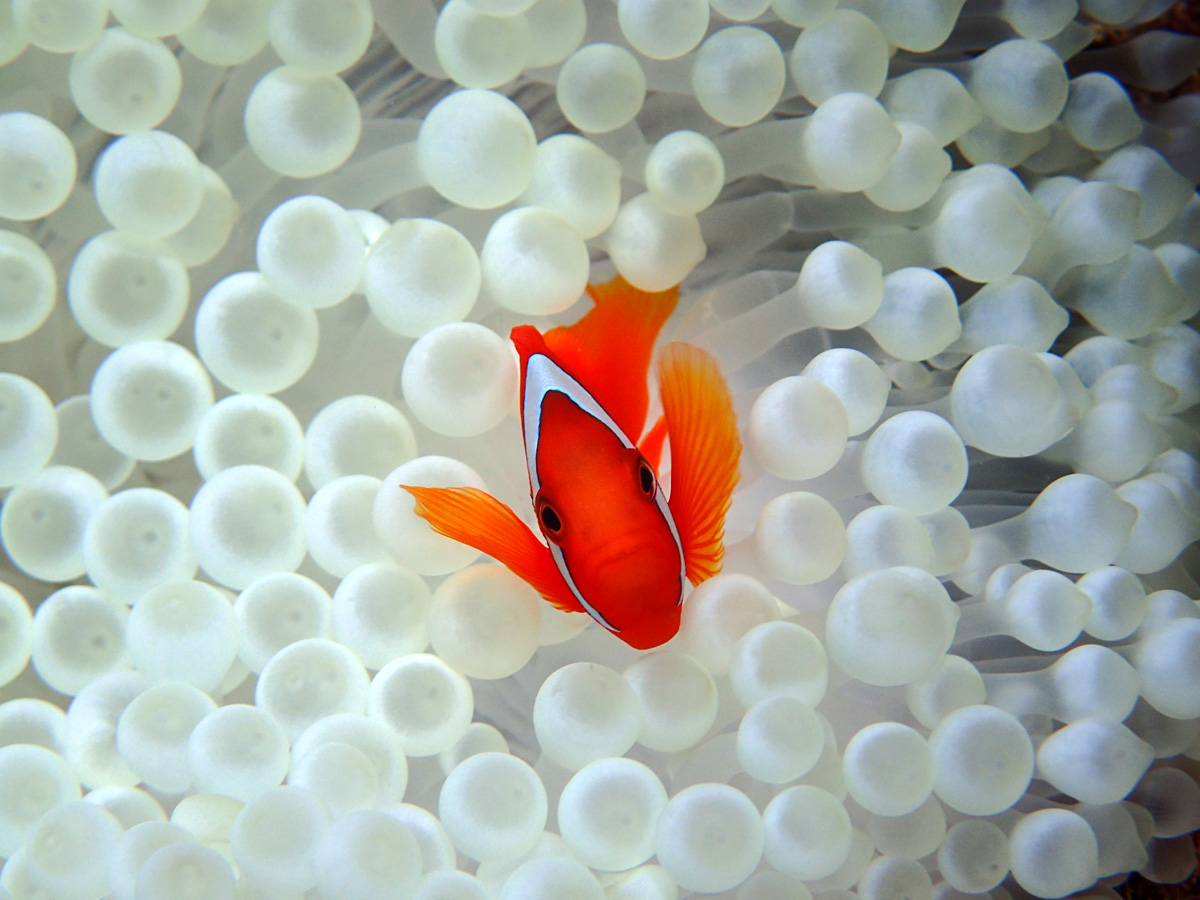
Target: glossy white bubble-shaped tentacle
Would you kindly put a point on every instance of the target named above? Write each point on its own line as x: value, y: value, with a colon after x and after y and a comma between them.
x: 872, y: 640
x: 249, y: 429
x: 301, y: 123
x: 320, y: 36
x: 424, y: 700
x: 366, y: 854
x: 678, y: 698
x: 662, y: 30
x: 381, y: 612
x: 340, y: 775
x: 975, y: 856
x: 28, y: 429
x: 685, y: 172
x: 549, y: 876
x: 203, y: 866
x: 250, y: 338
x: 460, y: 379
x: 124, y: 288
x: 275, y: 836
x: 246, y: 522
x: 808, y: 833
x: 78, y: 634
x: 858, y: 382
x: 372, y: 738
x: 484, y: 622
x: 608, y: 813
x: 477, y: 149
x: 652, y: 247
x: 984, y: 760
x: 534, y: 262
x: 67, y: 851
x: 419, y: 274
x: 881, y: 537
x: 889, y: 769
x: 238, y: 750
x: 844, y: 51
x: 584, y: 712
x: 779, y: 659
x: 710, y: 837
x: 311, y: 251
x: 779, y: 740
x: 356, y: 435
x: 478, y: 738
x: 308, y: 680
x: 147, y: 399
x: 918, y: 317
x: 479, y: 49
x: 578, y: 181
x: 738, y: 75
x: 123, y: 82
x: 493, y: 806
x: 718, y: 613
x: 81, y: 446
x: 1054, y: 853
x: 913, y: 835
x: 89, y: 731
x: 133, y: 848
x: 1019, y: 84
x: 338, y: 527
x: 25, y: 768
x: 227, y: 32
x: 136, y: 540
x: 16, y: 639
x: 148, y: 184
x: 276, y: 610
x: 32, y: 284
x: 951, y: 684
x: 37, y: 166
x: 206, y: 233
x: 798, y: 428
x: 183, y: 631
x: 153, y: 731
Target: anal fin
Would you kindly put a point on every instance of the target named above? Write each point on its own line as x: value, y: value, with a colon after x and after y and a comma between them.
x: 474, y: 517
x: 705, y: 450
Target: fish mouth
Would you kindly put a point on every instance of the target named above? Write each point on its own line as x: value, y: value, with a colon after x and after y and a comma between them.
x: 625, y: 570
x: 617, y: 554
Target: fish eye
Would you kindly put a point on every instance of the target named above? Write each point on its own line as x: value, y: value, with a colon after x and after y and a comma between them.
x: 646, y: 479
x: 551, y: 523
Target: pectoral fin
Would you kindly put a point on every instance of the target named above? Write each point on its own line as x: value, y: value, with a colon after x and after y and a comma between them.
x: 705, y: 450
x: 474, y: 517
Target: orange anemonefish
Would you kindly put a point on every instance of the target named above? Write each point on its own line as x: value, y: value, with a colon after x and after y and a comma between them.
x: 618, y: 549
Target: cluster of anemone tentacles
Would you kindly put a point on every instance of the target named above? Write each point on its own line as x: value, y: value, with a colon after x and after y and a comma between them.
x: 258, y: 263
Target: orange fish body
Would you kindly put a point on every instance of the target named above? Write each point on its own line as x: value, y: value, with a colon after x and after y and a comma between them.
x: 616, y: 547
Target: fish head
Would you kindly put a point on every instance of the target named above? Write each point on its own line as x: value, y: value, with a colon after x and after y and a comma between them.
x: 601, y: 509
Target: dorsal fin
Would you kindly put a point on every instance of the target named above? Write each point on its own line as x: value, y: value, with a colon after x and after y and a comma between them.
x: 528, y: 341
x: 608, y: 350
x: 651, y: 444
